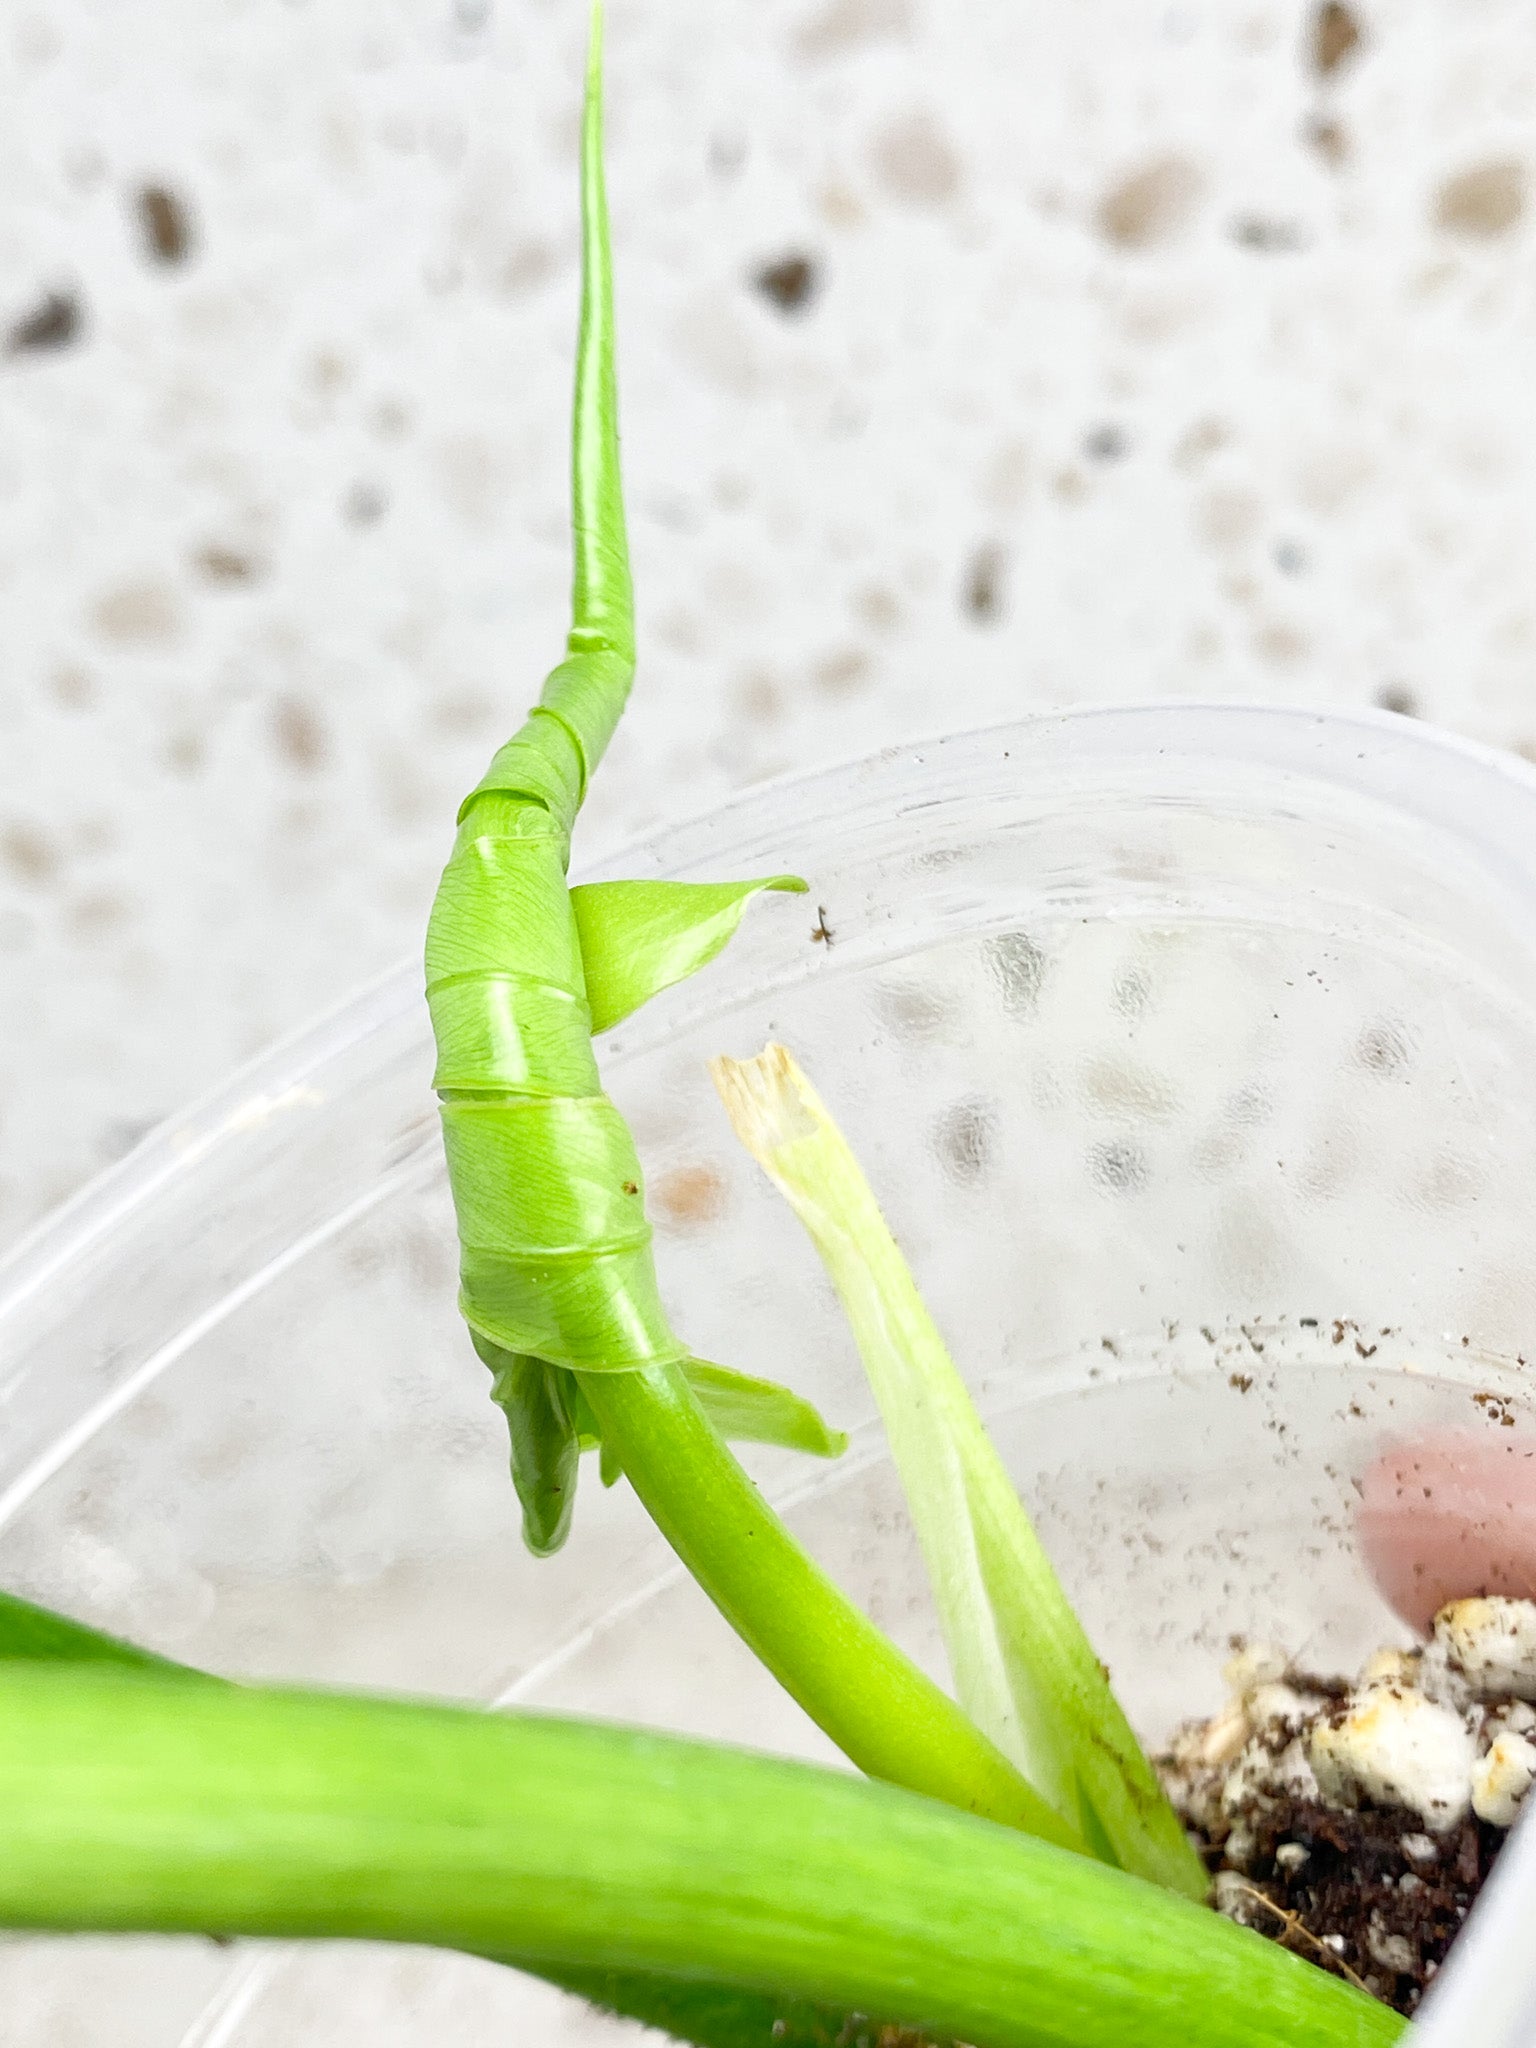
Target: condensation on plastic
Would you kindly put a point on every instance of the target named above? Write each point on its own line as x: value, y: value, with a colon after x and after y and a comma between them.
x: 1193, y: 1053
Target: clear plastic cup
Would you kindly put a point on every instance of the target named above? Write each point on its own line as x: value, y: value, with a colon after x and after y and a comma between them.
x: 1193, y: 1054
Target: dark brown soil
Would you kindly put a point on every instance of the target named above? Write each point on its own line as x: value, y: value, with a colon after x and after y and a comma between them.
x: 1374, y: 1900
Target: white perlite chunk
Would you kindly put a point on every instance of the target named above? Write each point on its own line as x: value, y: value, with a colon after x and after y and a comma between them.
x: 1235, y: 1897
x: 1397, y: 1748
x: 1255, y: 1664
x: 1225, y: 1735
x: 1279, y: 1705
x: 1392, y: 1951
x: 1501, y: 1779
x: 1494, y: 1642
x: 1438, y: 1731
x: 1389, y: 1667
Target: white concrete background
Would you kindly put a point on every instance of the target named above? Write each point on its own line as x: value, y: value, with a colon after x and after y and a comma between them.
x: 1156, y: 349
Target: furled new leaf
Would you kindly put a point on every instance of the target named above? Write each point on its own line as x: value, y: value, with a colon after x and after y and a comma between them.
x: 1024, y: 1669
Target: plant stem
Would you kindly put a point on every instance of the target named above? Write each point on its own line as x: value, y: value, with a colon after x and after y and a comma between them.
x: 135, y: 1803
x: 882, y: 1712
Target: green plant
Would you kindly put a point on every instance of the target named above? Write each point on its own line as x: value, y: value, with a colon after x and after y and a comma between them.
x: 736, y: 1899
x: 732, y: 1899
x: 557, y: 1282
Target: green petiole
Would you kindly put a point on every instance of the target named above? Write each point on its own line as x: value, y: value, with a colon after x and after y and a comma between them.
x: 880, y: 1710
x: 708, y: 2015
x: 131, y: 1802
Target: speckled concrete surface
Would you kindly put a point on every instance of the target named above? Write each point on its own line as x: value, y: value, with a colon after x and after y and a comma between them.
x: 974, y: 359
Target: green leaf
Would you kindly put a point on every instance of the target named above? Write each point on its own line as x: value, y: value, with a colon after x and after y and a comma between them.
x: 1024, y: 1669
x: 133, y: 1803
x: 638, y: 938
x: 752, y: 1411
x: 706, y: 2015
x: 38, y: 1634
x: 546, y: 1451
x: 720, y: 2016
x: 551, y: 1422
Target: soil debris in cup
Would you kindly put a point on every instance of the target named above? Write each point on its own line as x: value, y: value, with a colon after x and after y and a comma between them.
x: 1355, y: 1821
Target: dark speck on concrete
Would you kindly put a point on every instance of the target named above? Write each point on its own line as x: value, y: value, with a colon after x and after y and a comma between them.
x: 1327, y: 137
x: 53, y: 323
x: 1270, y: 237
x: 165, y: 225
x: 226, y: 565
x: 1336, y: 36
x: 1119, y: 1167
x: 364, y: 505
x: 1106, y: 444
x: 1399, y: 698
x: 789, y: 282
x: 983, y: 594
x: 1485, y: 201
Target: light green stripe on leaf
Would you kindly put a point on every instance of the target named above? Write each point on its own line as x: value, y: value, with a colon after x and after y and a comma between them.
x: 1024, y: 1669
x: 638, y: 938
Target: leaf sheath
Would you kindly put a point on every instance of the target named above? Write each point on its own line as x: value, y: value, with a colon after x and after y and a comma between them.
x: 1024, y: 1668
